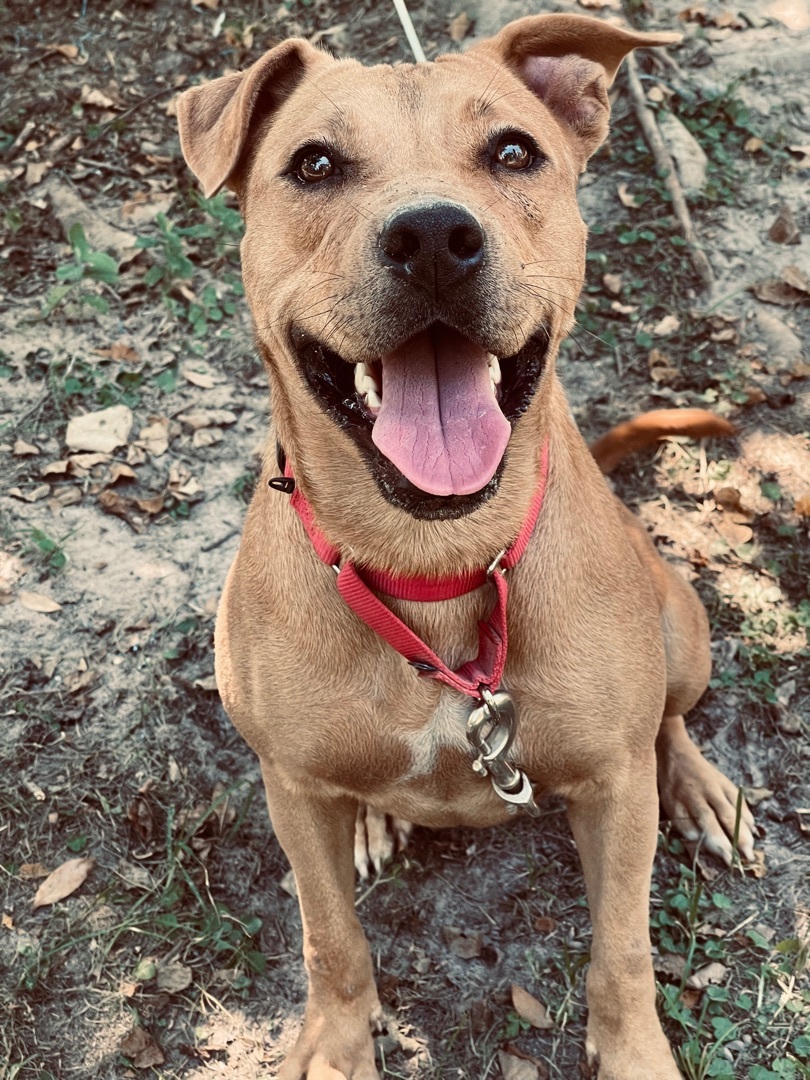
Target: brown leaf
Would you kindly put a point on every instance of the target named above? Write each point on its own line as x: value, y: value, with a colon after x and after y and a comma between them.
x: 201, y: 418
x: 733, y: 532
x: 529, y: 1008
x: 713, y: 974
x: 515, y: 1068
x: 459, y: 27
x: 141, y: 1048
x: 155, y: 437
x: 34, y: 601
x: 690, y: 998
x: 30, y: 871
x: 113, y: 503
x: 626, y: 197
x: 24, y: 449
x: 544, y: 924
x: 55, y: 468
x: 92, y: 96
x: 64, y: 881
x: 118, y: 471
x: 671, y: 964
x: 755, y: 795
x: 118, y: 351
x: 101, y: 431
x: 141, y: 817
x: 784, y: 229
x: 728, y: 498
x: 753, y: 144
x: 802, y: 505
x: 757, y: 867
x: 666, y: 326
x: 42, y: 491
x: 198, y: 378
x: 461, y: 944
x: 6, y: 921
x: 612, y: 283
x: 70, y: 52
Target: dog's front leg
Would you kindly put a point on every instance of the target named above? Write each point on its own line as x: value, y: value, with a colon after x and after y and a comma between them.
x: 317, y: 835
x: 615, y: 824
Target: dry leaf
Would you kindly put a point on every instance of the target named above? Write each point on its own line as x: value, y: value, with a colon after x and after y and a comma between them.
x: 671, y: 964
x: 112, y: 503
x: 755, y: 795
x: 101, y: 431
x: 30, y: 871
x: 599, y: 5
x: 544, y: 924
x: 173, y: 978
x: 198, y: 378
x: 802, y: 506
x: 612, y: 283
x: 623, y: 309
x: 713, y: 974
x: 141, y: 1048
x: 55, y: 468
x: 735, y: 533
x: 784, y: 229
x: 529, y: 1008
x: 626, y: 197
x: 515, y: 1068
x: 90, y: 96
x: 206, y: 437
x: 668, y: 325
x: 155, y: 437
x: 70, y: 52
x: 64, y: 881
x: 200, y: 418
x: 34, y: 601
x: 7, y: 922
x: 728, y: 498
x: 119, y: 351
x: 753, y: 144
x: 690, y: 998
x: 24, y: 449
x: 459, y: 26
x: 288, y: 884
x: 42, y: 491
x: 757, y: 867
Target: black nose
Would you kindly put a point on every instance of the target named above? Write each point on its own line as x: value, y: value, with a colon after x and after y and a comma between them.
x: 436, y: 245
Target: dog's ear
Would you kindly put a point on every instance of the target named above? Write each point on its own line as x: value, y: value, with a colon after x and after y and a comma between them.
x: 569, y: 61
x: 216, y: 120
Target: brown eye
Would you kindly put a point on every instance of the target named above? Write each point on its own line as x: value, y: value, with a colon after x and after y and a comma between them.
x: 512, y: 153
x: 314, y: 165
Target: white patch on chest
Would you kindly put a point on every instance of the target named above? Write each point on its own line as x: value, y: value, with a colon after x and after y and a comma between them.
x: 447, y: 728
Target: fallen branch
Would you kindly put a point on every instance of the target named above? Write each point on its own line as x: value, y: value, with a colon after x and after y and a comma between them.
x: 666, y: 169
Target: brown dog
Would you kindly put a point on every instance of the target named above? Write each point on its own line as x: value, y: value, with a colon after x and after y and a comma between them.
x: 406, y: 226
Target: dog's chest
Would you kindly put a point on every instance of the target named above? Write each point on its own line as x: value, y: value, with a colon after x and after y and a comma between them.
x: 445, y: 730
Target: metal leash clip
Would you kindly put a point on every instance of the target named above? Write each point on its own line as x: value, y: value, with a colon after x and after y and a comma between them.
x: 490, y: 732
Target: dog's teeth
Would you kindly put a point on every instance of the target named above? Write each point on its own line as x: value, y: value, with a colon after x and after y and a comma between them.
x: 364, y: 381
x: 494, y: 370
x: 372, y: 399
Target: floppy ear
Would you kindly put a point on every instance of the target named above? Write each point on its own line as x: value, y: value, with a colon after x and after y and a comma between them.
x: 569, y: 61
x: 215, y: 120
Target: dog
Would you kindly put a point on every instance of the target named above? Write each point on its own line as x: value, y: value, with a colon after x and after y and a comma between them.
x: 412, y: 256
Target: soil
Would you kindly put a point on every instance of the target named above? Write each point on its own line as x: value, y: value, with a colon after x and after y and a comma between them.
x: 113, y: 743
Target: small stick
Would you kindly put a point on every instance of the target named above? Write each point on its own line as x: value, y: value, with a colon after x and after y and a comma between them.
x: 666, y: 169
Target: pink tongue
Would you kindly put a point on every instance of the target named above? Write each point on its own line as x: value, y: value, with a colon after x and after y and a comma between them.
x: 439, y: 422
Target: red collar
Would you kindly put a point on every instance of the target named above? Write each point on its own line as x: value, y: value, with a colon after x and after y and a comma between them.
x: 355, y: 585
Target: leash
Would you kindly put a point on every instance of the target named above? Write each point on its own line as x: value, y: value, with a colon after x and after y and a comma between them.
x: 492, y: 723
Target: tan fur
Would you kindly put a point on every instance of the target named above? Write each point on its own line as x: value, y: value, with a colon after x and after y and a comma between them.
x: 604, y: 639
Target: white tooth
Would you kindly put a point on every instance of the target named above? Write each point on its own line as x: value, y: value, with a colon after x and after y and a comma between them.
x: 360, y: 376
x: 364, y: 380
x: 372, y: 399
x: 494, y: 370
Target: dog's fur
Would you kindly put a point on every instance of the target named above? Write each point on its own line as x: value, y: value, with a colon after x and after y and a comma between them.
x: 608, y: 646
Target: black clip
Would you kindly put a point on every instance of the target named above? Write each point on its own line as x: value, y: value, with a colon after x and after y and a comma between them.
x: 282, y: 483
x: 422, y: 666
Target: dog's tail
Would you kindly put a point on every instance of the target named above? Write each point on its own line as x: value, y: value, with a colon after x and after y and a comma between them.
x: 650, y: 427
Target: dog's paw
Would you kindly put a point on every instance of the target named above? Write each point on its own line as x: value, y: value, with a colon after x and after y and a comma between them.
x: 376, y: 838
x: 703, y: 804
x: 335, y: 1045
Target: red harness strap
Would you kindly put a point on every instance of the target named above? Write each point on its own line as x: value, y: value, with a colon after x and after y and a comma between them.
x: 355, y: 586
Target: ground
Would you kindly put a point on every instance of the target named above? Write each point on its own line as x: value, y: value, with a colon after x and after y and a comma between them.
x: 176, y: 952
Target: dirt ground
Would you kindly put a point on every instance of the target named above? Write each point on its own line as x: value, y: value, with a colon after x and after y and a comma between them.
x: 176, y: 953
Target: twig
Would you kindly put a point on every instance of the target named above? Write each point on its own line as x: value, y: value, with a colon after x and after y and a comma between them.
x: 666, y: 170
x: 212, y: 544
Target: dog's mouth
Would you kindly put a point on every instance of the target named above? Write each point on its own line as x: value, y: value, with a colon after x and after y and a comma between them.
x: 433, y: 416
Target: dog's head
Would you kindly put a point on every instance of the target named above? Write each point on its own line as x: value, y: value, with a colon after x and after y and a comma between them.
x: 413, y: 248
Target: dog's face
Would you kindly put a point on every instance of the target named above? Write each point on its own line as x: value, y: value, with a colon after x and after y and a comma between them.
x: 413, y: 247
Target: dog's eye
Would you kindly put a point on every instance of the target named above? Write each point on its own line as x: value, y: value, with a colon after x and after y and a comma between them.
x: 513, y: 153
x: 313, y: 165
